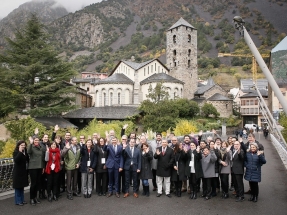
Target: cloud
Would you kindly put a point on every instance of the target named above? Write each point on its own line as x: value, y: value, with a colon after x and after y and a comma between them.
x: 70, y: 5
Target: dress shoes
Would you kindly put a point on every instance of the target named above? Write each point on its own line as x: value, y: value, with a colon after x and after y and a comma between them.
x: 50, y: 198
x: 37, y: 201
x: 136, y: 195
x: 85, y: 196
x: 104, y: 194
x: 109, y: 195
x: 207, y: 197
x: 89, y: 195
x: 24, y: 203
x: 126, y: 195
x: 168, y: 195
x: 99, y: 194
x: 76, y: 194
x: 70, y: 197
x: 117, y: 195
x: 251, y: 198
x: 20, y: 204
x: 255, y: 199
x: 32, y: 202
x: 158, y: 195
x: 240, y: 199
x: 55, y: 198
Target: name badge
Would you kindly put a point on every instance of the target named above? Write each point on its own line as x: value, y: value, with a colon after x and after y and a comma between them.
x: 52, y: 166
x: 88, y: 163
x: 103, y: 160
x: 191, y: 163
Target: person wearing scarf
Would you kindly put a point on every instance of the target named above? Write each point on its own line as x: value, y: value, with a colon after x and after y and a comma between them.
x: 254, y: 159
x: 53, y: 167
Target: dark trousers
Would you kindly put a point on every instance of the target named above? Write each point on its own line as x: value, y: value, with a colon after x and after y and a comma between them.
x: 128, y: 175
x: 198, y: 182
x: 35, y: 177
x: 224, y: 182
x: 79, y: 182
x: 72, y: 178
x: 214, y: 184
x: 177, y: 184
x: 192, y: 182
x: 53, y: 183
x: 122, y: 181
x: 238, y: 184
x: 62, y: 179
x: 19, y: 195
x: 154, y: 178
x: 206, y: 186
x: 254, y: 188
x: 43, y: 185
x: 113, y: 179
x: 101, y: 182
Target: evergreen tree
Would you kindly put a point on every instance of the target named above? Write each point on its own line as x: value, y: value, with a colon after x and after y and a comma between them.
x: 33, y: 76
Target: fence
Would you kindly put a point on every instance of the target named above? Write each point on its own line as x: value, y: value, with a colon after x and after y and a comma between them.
x: 6, y: 171
x: 281, y: 149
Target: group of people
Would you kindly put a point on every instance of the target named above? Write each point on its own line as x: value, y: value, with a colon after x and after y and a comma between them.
x: 117, y: 164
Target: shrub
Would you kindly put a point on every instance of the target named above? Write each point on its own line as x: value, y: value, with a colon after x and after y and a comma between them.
x: 184, y: 127
x: 8, y: 149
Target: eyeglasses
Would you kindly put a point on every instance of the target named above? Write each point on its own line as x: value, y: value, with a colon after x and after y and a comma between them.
x: 124, y: 139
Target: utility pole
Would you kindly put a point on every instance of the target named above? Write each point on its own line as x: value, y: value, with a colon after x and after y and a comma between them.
x: 239, y: 25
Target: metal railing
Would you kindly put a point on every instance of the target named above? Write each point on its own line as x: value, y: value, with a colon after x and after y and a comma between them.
x: 6, y: 174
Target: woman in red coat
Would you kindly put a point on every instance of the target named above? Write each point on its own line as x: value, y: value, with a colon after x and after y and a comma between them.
x: 53, y: 158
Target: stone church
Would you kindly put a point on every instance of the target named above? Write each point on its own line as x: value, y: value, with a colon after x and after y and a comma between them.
x: 129, y: 81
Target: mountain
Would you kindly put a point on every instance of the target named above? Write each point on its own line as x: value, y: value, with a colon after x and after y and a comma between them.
x: 100, y: 35
x: 46, y: 10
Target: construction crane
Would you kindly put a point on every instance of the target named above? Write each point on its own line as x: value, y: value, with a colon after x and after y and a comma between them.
x: 254, y: 64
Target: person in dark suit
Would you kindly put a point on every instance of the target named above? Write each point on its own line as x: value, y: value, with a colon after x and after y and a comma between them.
x: 20, y: 173
x: 237, y: 170
x: 101, y: 169
x: 132, y: 166
x: 122, y: 180
x: 193, y: 168
x: 178, y: 171
x: 114, y: 164
x: 165, y: 160
x: 79, y: 183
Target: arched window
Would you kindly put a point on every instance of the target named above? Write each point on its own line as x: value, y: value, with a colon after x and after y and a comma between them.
x: 189, y: 51
x: 174, y: 38
x: 104, y: 99
x: 97, y: 103
x: 188, y: 63
x: 119, y: 98
x: 188, y: 38
x: 111, y: 98
x: 127, y: 96
x: 174, y: 52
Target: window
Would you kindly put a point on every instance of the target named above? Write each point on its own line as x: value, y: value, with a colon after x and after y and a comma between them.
x: 174, y: 38
x: 188, y: 63
x: 151, y: 69
x: 174, y: 52
x: 111, y: 98
x: 188, y: 38
x: 148, y: 70
x: 155, y: 67
x: 144, y: 71
x: 88, y: 89
x: 119, y: 98
x: 105, y: 99
x: 189, y: 51
x: 174, y: 63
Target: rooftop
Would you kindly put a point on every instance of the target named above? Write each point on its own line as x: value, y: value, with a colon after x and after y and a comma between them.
x: 116, y: 78
x: 106, y: 112
x: 49, y: 122
x: 160, y: 77
x: 219, y: 97
x: 181, y: 22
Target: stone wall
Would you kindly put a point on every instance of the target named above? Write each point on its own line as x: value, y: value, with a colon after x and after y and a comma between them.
x: 213, y: 90
x: 223, y: 107
x: 181, y: 57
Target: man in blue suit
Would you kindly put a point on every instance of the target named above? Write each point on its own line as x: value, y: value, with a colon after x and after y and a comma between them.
x: 132, y: 158
x: 114, y: 165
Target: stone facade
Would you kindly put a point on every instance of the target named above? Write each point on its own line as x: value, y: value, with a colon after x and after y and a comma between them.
x: 213, y: 90
x: 181, y: 56
x: 223, y: 107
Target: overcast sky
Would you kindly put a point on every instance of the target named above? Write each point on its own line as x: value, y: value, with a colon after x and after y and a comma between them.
x: 7, y: 6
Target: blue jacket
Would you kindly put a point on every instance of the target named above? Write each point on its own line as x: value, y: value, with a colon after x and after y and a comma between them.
x: 85, y: 158
x: 136, y: 159
x: 114, y: 160
x: 253, y: 164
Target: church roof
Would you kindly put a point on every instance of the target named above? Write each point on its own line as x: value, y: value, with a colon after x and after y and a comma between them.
x: 203, y: 89
x: 219, y: 97
x: 135, y: 65
x: 116, y: 78
x: 160, y: 77
x: 106, y: 112
x: 181, y: 22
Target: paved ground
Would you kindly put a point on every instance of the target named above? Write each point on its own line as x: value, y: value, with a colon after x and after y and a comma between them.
x: 272, y: 199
